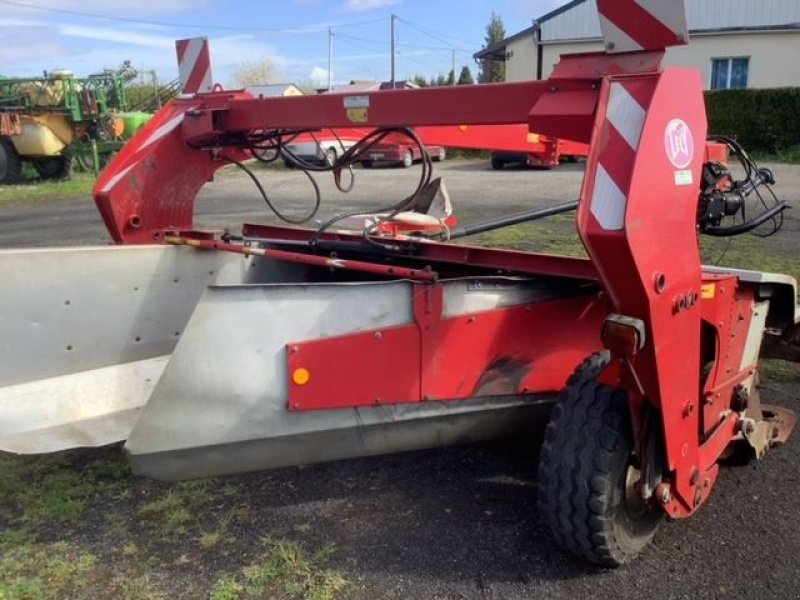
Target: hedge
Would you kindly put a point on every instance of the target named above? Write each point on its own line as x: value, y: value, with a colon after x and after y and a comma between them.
x: 767, y: 120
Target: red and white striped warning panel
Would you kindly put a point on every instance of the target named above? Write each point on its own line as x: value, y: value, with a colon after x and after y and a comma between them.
x: 194, y: 65
x: 620, y: 136
x: 632, y: 25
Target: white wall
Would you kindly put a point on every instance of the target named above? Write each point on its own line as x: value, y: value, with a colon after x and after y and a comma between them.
x: 774, y: 56
x: 521, y: 59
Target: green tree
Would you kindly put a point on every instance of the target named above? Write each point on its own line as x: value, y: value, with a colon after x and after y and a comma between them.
x: 465, y: 78
x: 491, y: 70
x: 420, y: 81
x: 451, y: 77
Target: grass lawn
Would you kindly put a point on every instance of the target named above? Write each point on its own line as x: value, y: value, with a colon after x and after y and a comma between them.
x: 79, y: 184
x: 79, y: 525
x: 789, y: 155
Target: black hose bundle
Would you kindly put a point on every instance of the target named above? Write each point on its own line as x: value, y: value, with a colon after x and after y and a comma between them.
x: 267, y: 146
x: 734, y: 193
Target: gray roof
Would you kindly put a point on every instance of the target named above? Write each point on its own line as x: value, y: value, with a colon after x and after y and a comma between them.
x: 578, y: 20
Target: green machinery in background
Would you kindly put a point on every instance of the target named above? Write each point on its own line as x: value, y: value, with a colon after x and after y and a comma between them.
x: 53, y: 120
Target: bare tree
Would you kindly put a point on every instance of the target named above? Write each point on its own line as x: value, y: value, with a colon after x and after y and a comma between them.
x: 259, y: 72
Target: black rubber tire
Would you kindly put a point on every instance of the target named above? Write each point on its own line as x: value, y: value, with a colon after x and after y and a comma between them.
x: 497, y: 164
x: 84, y: 160
x: 367, y: 164
x: 583, y: 467
x: 10, y: 163
x: 408, y: 160
x: 53, y: 167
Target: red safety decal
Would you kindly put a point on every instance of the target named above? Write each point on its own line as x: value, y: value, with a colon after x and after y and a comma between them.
x: 194, y: 65
x: 634, y: 25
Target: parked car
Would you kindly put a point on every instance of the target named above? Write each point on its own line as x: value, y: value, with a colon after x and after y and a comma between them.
x: 398, y: 149
x: 328, y: 150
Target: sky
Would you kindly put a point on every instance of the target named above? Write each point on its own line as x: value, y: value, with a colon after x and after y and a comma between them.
x: 87, y: 36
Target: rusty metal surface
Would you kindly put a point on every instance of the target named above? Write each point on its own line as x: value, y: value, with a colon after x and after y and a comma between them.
x: 784, y: 421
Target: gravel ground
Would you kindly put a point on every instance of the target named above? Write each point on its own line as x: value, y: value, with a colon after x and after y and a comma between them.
x: 461, y: 522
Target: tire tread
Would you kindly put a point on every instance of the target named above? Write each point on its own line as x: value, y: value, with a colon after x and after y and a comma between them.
x: 577, y: 462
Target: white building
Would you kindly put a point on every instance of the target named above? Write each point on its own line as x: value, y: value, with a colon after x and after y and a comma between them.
x: 735, y: 43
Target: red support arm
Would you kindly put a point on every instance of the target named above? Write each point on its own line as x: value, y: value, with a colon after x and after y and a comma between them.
x: 150, y: 188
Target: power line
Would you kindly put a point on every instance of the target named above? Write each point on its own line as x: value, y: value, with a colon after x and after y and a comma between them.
x: 383, y: 44
x: 426, y: 64
x: 78, y: 13
x: 361, y: 46
x: 402, y: 55
x: 380, y: 43
x: 438, y: 49
x: 437, y: 35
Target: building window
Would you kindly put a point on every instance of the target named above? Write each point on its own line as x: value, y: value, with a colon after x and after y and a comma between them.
x: 729, y: 73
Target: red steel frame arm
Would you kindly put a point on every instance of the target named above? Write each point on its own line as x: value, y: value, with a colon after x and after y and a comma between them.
x: 493, y: 104
x: 150, y: 188
x: 637, y: 219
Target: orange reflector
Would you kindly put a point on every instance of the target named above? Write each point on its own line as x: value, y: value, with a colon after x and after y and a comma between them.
x: 533, y: 138
x: 301, y: 376
x: 463, y: 127
x: 623, y: 335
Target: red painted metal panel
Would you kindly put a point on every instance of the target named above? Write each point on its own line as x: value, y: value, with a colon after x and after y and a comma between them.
x: 564, y: 113
x: 151, y: 184
x: 729, y: 311
x: 655, y: 241
x: 524, y: 349
x: 508, y: 138
x: 511, y: 138
x: 371, y: 368
x: 596, y: 65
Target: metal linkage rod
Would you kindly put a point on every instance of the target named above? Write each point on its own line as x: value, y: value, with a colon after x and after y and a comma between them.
x: 532, y: 215
x: 307, y: 259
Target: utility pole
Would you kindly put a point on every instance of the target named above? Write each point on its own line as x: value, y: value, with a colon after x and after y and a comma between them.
x: 394, y: 18
x: 330, y: 59
x: 454, y: 67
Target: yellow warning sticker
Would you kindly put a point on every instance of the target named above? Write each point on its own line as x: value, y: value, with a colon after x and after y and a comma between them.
x: 708, y: 291
x: 358, y: 115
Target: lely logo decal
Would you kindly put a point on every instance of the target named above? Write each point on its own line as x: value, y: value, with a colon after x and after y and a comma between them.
x: 679, y: 144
